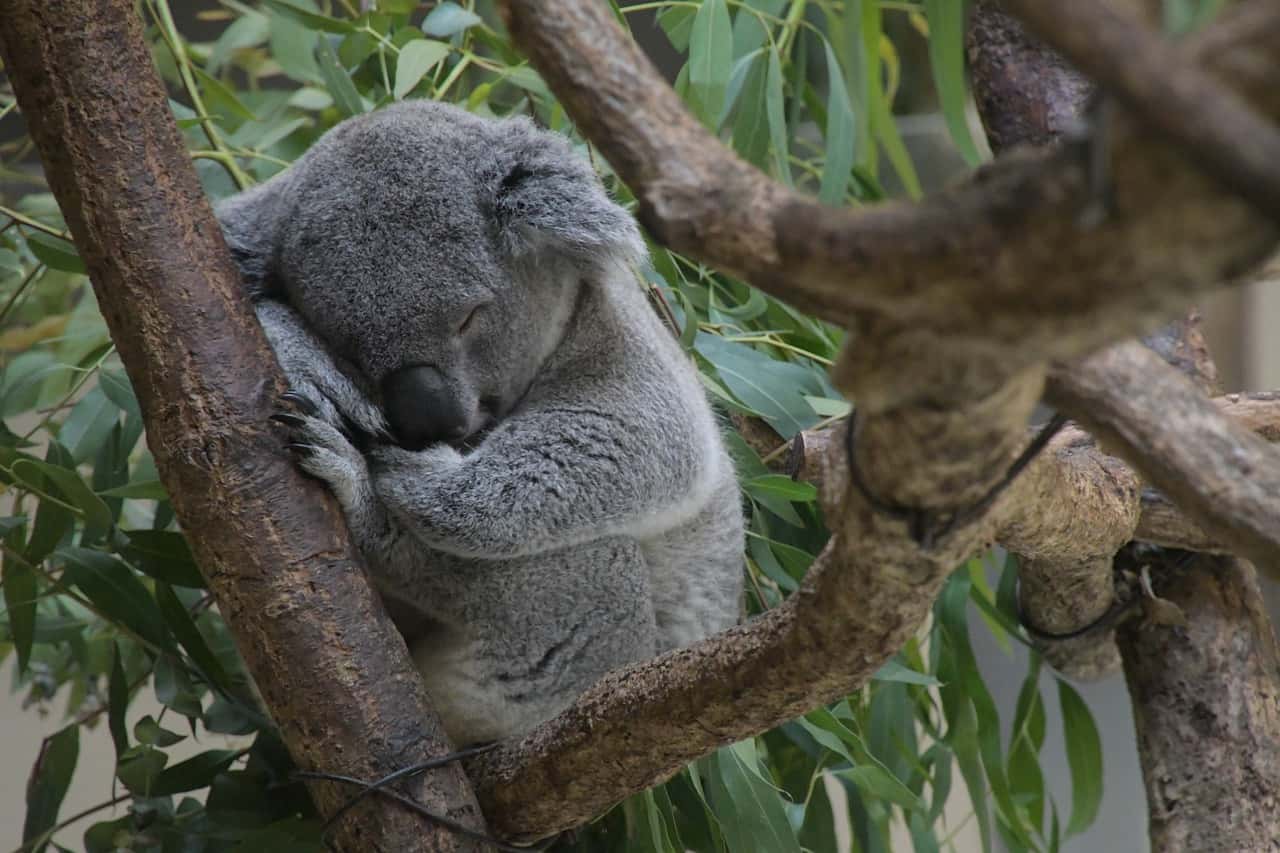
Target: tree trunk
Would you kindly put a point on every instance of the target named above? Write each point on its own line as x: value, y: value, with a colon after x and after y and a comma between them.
x: 332, y: 670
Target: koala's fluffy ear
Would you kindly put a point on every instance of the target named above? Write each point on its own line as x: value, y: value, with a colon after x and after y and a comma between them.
x: 548, y: 197
x: 251, y: 226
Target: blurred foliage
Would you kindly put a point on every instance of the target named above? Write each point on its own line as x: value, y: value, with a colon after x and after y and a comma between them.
x: 102, y: 600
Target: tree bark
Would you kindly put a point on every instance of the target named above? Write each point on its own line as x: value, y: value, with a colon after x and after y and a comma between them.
x: 1207, y: 711
x: 1206, y: 694
x: 332, y: 670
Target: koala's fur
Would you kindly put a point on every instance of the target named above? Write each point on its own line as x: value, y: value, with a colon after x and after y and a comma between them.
x: 585, y: 514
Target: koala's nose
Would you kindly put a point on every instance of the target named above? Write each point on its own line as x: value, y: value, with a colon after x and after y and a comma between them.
x: 420, y: 408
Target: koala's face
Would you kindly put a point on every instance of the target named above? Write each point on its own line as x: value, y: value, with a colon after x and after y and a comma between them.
x: 439, y: 256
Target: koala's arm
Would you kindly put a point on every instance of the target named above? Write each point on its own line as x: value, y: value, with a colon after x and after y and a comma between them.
x: 552, y: 478
x: 312, y: 370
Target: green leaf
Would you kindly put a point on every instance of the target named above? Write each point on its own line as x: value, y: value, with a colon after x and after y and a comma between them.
x: 163, y: 555
x: 116, y: 591
x: 88, y: 425
x: 772, y: 389
x: 751, y: 810
x: 53, y: 520
x: 184, y: 628
x: 885, y: 130
x: 310, y: 20
x: 117, y: 703
x: 49, y: 781
x: 174, y: 688
x: 116, y: 386
x: 946, y: 58
x: 879, y: 783
x: 72, y: 487
x: 783, y: 487
x: 345, y: 96
x: 220, y: 99
x: 21, y: 591
x: 677, y: 23
x: 151, y: 490
x: 54, y: 252
x: 193, y: 774
x: 840, y: 135
x: 151, y: 733
x: 776, y: 112
x: 139, y: 767
x: 1084, y: 756
x: 416, y: 59
x: 293, y: 45
x: 873, y: 776
x: 449, y: 19
x: 893, y: 670
x: 751, y: 127
x: 818, y: 830
x: 710, y: 61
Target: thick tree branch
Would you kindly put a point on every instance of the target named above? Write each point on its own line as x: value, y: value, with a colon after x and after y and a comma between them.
x: 955, y: 301
x: 868, y: 591
x: 334, y: 673
x: 1158, y: 82
x: 994, y: 273
x: 1207, y: 711
x: 1159, y: 521
x: 1219, y: 472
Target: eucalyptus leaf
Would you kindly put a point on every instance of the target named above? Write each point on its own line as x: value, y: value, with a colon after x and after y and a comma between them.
x: 50, y: 779
x: 416, y: 59
x: 710, y: 61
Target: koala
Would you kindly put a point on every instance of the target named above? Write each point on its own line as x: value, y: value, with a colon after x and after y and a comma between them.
x: 524, y: 456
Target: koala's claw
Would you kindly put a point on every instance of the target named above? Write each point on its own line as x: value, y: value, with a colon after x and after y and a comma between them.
x: 302, y: 449
x: 302, y: 401
x: 288, y: 419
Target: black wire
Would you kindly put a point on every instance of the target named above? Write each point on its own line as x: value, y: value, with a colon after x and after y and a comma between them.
x: 928, y: 526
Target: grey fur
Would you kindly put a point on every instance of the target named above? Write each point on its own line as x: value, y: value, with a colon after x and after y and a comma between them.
x: 591, y: 518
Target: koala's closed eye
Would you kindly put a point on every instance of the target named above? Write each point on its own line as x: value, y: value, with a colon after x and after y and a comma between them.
x: 469, y: 320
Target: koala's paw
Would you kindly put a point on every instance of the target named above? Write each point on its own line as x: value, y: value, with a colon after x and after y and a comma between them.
x: 321, y: 448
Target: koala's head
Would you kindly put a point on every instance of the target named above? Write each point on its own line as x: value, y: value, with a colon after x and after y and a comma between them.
x: 439, y: 255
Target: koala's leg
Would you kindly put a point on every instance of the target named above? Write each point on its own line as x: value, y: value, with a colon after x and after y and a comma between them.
x: 538, y: 631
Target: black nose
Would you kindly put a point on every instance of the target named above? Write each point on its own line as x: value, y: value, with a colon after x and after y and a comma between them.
x: 420, y: 408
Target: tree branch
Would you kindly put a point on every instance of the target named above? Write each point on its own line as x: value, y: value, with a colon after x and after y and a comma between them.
x: 956, y: 303
x: 1158, y: 82
x: 995, y: 273
x: 331, y: 668
x: 868, y: 591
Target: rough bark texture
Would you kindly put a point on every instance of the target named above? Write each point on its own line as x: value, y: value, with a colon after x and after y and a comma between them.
x: 1214, y: 468
x: 1028, y: 95
x: 334, y: 673
x: 1204, y: 693
x: 1075, y: 475
x: 994, y: 274
x: 1160, y: 83
x: 1207, y: 712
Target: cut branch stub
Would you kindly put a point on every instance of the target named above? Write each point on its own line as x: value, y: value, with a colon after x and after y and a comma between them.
x: 335, y: 675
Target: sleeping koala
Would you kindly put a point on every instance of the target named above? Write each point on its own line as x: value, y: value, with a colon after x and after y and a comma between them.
x: 524, y: 455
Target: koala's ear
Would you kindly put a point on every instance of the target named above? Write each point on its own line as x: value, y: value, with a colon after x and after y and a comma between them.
x: 550, y: 198
x: 251, y: 226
